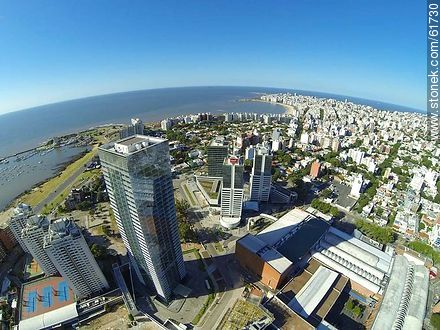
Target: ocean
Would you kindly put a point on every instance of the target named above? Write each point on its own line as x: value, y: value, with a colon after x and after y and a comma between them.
x: 28, y: 128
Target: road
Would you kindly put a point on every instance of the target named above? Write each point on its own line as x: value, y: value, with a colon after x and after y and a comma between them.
x: 60, y: 188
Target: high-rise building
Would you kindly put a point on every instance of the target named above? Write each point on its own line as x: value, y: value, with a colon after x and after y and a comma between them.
x: 261, y: 176
x: 138, y: 178
x: 217, y: 152
x: 18, y: 221
x: 136, y: 127
x: 69, y: 252
x: 37, y: 226
x: 232, y: 193
x: 249, y: 153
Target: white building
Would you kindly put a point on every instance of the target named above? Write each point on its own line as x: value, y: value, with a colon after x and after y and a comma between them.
x: 417, y: 182
x: 165, y: 124
x: 434, y: 235
x: 18, y: 221
x: 406, y: 223
x: 33, y: 234
x: 69, y: 252
x: 249, y: 153
x: 261, y: 176
x: 304, y: 139
x: 357, y: 186
x: 232, y: 193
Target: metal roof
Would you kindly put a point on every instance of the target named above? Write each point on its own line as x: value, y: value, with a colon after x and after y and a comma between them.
x: 405, y: 299
x: 49, y: 319
x: 313, y: 292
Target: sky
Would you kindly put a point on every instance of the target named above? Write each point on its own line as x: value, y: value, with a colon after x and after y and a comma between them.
x: 52, y: 51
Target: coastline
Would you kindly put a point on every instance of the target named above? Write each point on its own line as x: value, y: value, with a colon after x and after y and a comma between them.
x: 289, y: 108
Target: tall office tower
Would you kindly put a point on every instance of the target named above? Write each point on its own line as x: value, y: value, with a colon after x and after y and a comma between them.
x: 37, y: 226
x: 261, y: 176
x: 138, y: 178
x: 232, y: 193
x: 69, y: 252
x: 18, y: 221
x: 217, y: 152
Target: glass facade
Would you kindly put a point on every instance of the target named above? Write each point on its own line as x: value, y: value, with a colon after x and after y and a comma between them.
x: 141, y: 194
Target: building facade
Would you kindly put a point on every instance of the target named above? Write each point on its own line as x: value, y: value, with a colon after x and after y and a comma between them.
x: 7, y: 237
x: 69, y: 252
x: 261, y: 176
x: 138, y: 178
x: 18, y: 221
x: 37, y: 226
x: 232, y: 193
x: 217, y: 152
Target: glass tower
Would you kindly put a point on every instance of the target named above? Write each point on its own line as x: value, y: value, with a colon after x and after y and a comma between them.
x: 138, y: 178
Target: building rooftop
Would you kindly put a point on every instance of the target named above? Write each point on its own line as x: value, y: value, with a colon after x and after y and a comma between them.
x: 43, y: 296
x: 132, y: 144
x: 279, y: 262
x: 307, y: 235
x: 61, y: 228
x: 311, y: 294
x: 284, y: 226
x: 252, y: 243
x: 314, y: 293
x: 405, y: 298
x: 219, y: 141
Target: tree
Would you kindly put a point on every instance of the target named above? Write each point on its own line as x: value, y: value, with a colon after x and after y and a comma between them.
x: 276, y: 175
x: 382, y: 235
x: 435, y: 321
x: 98, y: 251
x: 182, y: 207
x: 326, y: 193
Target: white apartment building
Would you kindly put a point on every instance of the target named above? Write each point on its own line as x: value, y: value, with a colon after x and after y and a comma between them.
x: 18, y: 221
x: 261, y: 176
x: 232, y: 193
x: 69, y: 252
x: 37, y: 226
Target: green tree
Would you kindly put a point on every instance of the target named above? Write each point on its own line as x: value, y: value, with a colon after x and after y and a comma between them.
x: 98, y: 251
x: 435, y: 321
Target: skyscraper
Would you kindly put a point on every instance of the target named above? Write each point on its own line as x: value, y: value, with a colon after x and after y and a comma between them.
x: 18, y: 221
x: 261, y: 176
x: 33, y: 234
x: 69, y: 252
x: 217, y: 152
x: 138, y: 178
x: 232, y: 193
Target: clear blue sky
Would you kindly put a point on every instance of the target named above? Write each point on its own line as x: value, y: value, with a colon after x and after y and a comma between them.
x: 57, y: 50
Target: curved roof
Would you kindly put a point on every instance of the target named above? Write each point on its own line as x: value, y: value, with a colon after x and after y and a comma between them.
x: 49, y: 319
x: 405, y: 299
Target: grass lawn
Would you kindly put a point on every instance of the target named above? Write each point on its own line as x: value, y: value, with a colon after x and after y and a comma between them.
x: 38, y: 195
x: 83, y: 178
x: 219, y: 247
x: 205, y: 306
x: 188, y: 193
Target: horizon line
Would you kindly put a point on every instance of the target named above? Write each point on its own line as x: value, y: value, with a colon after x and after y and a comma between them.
x: 214, y: 86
